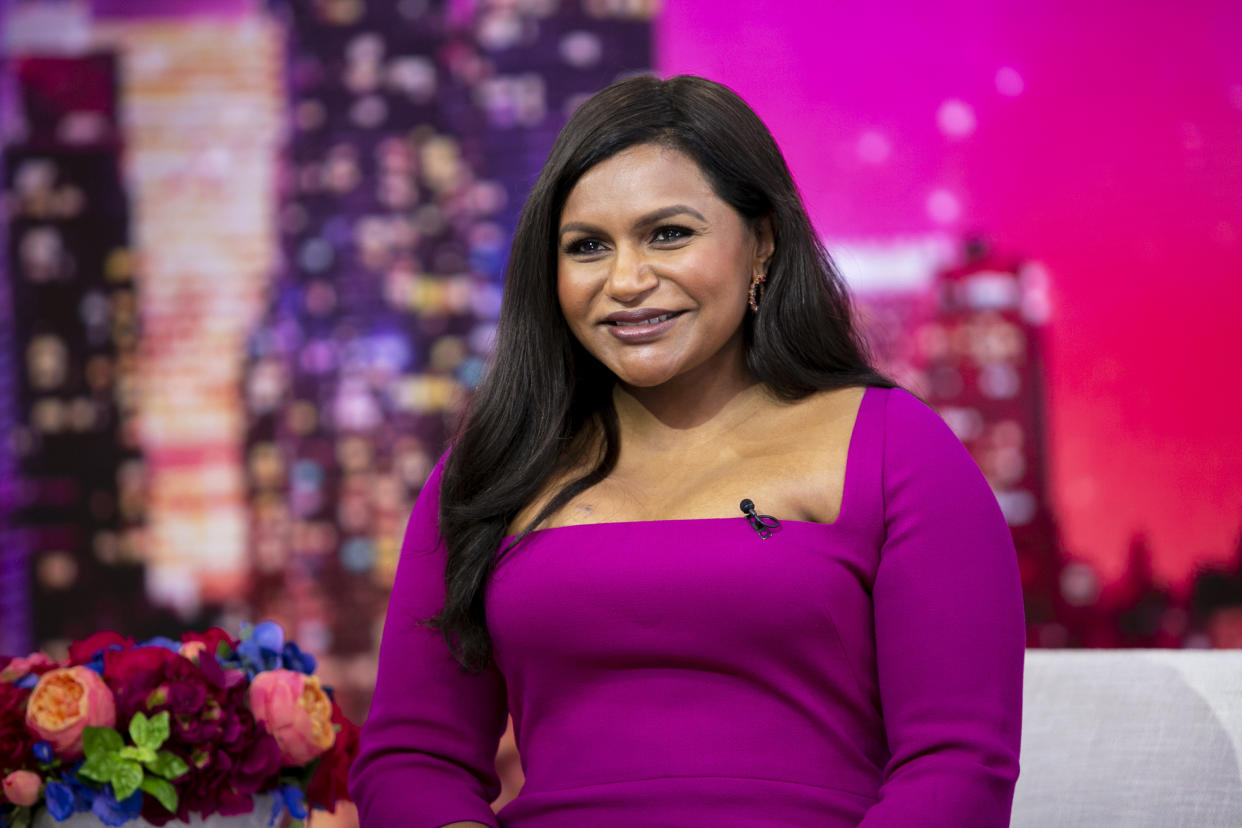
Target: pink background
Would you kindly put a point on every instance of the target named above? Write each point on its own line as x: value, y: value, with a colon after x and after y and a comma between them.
x: 1118, y: 165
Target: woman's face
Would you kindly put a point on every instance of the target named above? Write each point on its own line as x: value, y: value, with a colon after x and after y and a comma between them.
x: 653, y: 268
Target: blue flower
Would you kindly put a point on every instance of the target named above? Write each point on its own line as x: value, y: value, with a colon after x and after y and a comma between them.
x: 269, y: 636
x: 59, y: 800
x: 161, y: 641
x: 27, y: 681
x: 111, y: 812
x: 250, y: 658
x: 293, y: 658
x: 83, y: 794
x: 43, y: 752
x: 295, y: 801
x: 259, y: 650
x: 96, y: 662
x: 291, y: 798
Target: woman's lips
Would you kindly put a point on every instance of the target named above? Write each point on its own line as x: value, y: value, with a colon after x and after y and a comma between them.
x: 637, y: 327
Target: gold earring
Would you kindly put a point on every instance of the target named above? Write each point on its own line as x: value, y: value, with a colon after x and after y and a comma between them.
x: 756, y: 292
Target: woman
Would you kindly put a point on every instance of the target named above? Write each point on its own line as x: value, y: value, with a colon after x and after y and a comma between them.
x: 673, y: 342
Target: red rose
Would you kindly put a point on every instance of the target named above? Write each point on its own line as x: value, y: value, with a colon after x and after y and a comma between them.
x: 330, y: 781
x: 211, y: 639
x: 83, y: 651
x: 16, y: 739
x: 133, y: 675
x: 231, y: 756
x: 123, y: 666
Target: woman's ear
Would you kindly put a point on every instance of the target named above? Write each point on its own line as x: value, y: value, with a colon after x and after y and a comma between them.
x: 765, y: 243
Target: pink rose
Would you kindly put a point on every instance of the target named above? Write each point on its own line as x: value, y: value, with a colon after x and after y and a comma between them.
x: 294, y: 709
x: 22, y: 787
x: 33, y: 663
x: 64, y: 702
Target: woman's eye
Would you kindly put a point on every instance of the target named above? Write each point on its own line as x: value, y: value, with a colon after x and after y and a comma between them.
x: 584, y: 247
x: 671, y: 233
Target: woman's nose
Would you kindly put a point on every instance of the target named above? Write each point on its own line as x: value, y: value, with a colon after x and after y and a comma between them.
x: 631, y: 277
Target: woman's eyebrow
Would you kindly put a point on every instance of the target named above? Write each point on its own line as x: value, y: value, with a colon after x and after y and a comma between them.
x: 668, y: 212
x: 643, y: 220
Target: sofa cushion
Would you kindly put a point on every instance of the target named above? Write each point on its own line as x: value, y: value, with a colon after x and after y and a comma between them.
x: 1131, y: 738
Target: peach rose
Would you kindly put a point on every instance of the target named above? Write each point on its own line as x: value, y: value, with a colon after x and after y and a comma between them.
x: 296, y: 711
x: 21, y: 787
x: 192, y: 649
x: 64, y: 702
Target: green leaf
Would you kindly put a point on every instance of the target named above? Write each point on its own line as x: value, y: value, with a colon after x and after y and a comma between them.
x: 163, y: 791
x: 149, y: 733
x: 223, y: 650
x: 97, y: 768
x: 126, y: 776
x: 138, y: 754
x: 20, y: 818
x: 167, y: 764
x: 100, y: 741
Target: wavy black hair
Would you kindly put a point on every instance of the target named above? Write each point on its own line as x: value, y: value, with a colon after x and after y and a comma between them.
x: 544, y: 393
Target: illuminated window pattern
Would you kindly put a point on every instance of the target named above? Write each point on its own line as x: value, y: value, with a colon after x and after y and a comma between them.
x: 77, y: 494
x: 203, y: 106
x: 15, y: 633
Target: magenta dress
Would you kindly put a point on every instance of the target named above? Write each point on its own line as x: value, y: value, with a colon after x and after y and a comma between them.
x: 689, y: 674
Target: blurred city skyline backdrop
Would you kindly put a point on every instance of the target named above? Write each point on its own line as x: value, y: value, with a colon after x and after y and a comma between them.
x: 256, y: 249
x: 1102, y: 139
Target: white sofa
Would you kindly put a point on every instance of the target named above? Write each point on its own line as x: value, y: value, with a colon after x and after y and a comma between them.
x: 1132, y: 739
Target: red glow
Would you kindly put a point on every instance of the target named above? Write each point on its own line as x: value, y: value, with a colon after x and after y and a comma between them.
x: 1104, y: 140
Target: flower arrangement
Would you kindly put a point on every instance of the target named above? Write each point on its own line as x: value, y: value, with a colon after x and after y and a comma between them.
x: 166, y: 729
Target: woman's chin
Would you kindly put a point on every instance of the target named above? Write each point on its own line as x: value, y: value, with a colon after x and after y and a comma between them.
x: 643, y: 382
x: 647, y: 378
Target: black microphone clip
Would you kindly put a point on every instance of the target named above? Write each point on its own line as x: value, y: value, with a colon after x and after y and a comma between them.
x: 763, y: 524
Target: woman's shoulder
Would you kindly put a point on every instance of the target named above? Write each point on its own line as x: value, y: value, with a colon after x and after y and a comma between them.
x: 920, y: 449
x: 909, y: 422
x: 892, y: 415
x: 891, y: 423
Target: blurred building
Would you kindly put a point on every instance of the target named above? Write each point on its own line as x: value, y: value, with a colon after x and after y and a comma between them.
x: 72, y: 548
x: 960, y: 327
x: 985, y: 375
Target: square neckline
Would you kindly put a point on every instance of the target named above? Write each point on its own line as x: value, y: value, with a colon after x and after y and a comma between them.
x: 847, y: 487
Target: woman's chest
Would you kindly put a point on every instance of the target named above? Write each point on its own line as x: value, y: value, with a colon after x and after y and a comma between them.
x: 793, y: 485
x: 640, y: 593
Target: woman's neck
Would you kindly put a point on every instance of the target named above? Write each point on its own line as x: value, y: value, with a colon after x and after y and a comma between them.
x: 694, y: 408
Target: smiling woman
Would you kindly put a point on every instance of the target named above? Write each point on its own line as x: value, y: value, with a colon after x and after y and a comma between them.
x: 654, y: 270
x: 674, y: 343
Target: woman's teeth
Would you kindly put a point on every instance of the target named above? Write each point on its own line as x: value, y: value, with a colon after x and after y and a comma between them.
x: 655, y: 320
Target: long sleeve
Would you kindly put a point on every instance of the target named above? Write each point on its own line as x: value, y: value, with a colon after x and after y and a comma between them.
x: 949, y: 633
x: 429, y: 744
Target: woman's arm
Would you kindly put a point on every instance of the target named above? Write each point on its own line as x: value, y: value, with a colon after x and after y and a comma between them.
x: 949, y: 633
x: 428, y: 747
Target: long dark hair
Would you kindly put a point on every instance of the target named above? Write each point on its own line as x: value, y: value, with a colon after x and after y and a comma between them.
x: 544, y: 393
